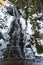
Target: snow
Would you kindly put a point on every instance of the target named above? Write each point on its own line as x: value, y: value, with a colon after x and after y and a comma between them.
x: 41, y: 42
x: 10, y: 19
x: 37, y: 15
x: 6, y: 20
x: 3, y: 44
x: 34, y: 15
x: 28, y: 53
x: 29, y: 30
x: 29, y: 26
x: 41, y: 25
x: 22, y: 21
x: 39, y: 55
x: 41, y: 30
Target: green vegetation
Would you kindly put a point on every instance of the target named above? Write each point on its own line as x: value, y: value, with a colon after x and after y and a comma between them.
x: 39, y: 48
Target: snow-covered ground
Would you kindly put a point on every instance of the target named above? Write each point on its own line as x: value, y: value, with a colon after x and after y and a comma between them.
x: 30, y: 32
x: 5, y: 22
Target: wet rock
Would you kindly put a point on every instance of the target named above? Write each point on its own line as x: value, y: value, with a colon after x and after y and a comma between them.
x: 1, y: 36
x: 0, y: 44
x: 10, y: 10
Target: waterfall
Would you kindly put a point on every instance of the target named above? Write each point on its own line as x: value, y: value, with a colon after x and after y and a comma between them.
x: 16, y: 30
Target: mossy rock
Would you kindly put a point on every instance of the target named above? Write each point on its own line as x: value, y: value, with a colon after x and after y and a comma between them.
x: 39, y: 49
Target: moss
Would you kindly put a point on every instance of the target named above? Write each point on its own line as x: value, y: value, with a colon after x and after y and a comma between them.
x: 39, y: 48
x: 37, y: 35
